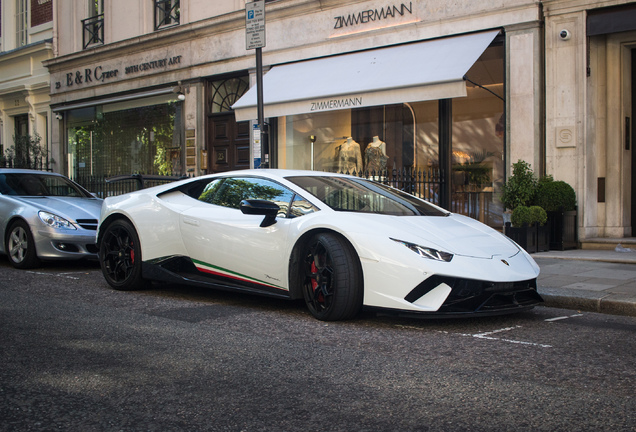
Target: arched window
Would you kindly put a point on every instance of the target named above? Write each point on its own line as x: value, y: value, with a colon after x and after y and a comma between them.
x: 224, y: 93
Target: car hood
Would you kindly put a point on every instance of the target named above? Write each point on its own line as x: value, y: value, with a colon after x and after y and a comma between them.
x: 73, y: 208
x: 457, y: 234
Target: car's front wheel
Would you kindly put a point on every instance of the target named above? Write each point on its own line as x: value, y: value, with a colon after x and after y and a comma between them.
x: 332, y: 278
x: 20, y: 246
x: 120, y: 256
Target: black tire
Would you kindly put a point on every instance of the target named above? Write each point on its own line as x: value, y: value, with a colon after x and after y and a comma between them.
x: 20, y: 246
x: 120, y: 256
x: 332, y: 278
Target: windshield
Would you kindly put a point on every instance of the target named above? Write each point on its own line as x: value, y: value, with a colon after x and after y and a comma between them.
x: 23, y: 184
x: 360, y: 195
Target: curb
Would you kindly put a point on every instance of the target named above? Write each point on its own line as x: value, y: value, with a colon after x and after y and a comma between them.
x: 584, y: 301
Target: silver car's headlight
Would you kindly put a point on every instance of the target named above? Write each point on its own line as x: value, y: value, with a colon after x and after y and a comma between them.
x: 55, y: 221
x: 426, y: 252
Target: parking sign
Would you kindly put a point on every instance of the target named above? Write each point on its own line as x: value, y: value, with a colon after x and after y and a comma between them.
x: 255, y: 24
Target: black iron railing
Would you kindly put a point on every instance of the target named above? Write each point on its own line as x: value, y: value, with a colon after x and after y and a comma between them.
x: 424, y: 184
x: 93, y: 31
x: 167, y: 13
x: 38, y: 163
x: 105, y: 186
x: 421, y: 183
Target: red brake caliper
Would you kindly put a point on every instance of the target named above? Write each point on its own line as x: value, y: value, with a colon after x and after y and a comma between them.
x: 314, y: 282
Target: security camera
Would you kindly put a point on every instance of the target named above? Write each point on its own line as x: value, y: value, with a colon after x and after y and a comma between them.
x: 58, y: 116
x: 565, y: 34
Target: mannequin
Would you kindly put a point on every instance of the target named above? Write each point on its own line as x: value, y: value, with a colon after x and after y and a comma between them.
x: 350, y: 157
x: 375, y: 157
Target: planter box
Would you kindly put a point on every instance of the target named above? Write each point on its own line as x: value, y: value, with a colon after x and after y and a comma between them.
x: 563, y: 230
x: 525, y: 236
x: 543, y: 237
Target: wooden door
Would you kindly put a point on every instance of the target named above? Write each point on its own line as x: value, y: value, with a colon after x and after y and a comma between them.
x: 229, y: 143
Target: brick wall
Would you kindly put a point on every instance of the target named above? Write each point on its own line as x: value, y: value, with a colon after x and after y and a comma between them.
x: 41, y: 12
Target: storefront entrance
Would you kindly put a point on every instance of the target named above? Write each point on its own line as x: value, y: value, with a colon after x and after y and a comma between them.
x: 229, y: 142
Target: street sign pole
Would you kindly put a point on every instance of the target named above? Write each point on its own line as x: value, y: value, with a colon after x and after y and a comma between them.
x: 255, y: 39
x: 259, y: 107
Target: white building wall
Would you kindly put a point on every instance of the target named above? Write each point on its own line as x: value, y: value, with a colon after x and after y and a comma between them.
x: 24, y: 81
x: 588, y: 97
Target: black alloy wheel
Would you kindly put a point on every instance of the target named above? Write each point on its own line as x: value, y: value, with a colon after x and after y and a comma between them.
x: 20, y: 246
x: 120, y: 256
x: 332, y: 281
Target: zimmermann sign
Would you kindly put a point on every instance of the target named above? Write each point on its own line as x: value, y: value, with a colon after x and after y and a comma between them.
x: 372, y: 15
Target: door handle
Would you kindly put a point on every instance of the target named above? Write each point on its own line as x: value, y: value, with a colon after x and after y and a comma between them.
x: 190, y: 221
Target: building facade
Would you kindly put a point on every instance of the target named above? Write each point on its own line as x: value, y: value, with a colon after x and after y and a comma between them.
x: 461, y: 89
x: 26, y: 31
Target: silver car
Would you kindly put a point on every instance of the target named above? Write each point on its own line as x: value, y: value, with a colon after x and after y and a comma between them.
x: 45, y: 216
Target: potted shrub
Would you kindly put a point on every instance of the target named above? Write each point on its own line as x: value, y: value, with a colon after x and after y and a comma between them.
x: 558, y: 199
x: 539, y: 218
x: 527, y: 228
x: 520, y: 187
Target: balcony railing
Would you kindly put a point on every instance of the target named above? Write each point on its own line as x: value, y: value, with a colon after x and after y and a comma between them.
x: 93, y: 33
x: 166, y: 13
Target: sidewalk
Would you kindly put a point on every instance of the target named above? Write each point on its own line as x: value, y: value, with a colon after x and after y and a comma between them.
x: 589, y: 280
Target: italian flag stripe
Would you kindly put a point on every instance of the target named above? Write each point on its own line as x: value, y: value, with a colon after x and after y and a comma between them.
x: 219, y: 271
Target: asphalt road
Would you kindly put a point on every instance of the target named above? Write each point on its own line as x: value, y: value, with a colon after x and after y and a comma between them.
x: 78, y: 356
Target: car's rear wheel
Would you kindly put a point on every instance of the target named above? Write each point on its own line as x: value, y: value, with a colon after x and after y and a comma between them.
x: 332, y: 278
x: 120, y: 256
x: 20, y: 246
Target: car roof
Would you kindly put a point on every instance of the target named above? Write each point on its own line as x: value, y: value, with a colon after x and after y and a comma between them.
x: 276, y: 172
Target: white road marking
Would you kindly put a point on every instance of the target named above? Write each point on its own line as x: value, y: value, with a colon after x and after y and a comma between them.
x: 63, y: 275
x: 562, y: 317
x: 486, y: 335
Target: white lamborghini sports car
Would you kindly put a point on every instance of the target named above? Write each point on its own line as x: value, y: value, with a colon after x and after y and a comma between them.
x: 340, y: 242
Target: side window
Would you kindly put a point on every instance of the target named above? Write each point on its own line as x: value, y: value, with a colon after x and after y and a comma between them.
x: 301, y: 207
x: 209, y: 191
x: 229, y: 192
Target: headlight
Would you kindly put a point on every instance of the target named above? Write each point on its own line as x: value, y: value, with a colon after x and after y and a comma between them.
x: 55, y: 221
x: 426, y: 252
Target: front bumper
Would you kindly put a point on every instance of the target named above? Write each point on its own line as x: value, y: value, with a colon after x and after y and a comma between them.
x: 71, y: 245
x: 471, y: 296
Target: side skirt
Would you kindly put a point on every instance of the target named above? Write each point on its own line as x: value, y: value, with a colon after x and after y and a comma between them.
x: 182, y: 270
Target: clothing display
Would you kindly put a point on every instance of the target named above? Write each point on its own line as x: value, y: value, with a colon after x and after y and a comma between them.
x: 375, y: 157
x: 350, y: 157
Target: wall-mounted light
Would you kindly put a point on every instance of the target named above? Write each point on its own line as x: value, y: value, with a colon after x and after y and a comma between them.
x: 181, y: 91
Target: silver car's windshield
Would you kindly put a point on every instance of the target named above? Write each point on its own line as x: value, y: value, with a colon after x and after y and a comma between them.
x: 22, y: 184
x: 360, y: 195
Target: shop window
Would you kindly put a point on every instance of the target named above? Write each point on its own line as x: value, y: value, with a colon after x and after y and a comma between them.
x: 167, y: 13
x: 399, y: 144
x: 141, y: 136
x: 478, y: 142
x: 21, y: 22
x: 93, y: 26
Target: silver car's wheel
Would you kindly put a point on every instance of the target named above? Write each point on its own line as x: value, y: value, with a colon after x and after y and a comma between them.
x: 20, y: 246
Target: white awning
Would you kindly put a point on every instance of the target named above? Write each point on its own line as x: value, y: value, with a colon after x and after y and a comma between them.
x: 420, y: 71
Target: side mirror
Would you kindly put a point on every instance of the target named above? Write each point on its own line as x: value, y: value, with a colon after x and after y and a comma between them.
x: 261, y: 207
